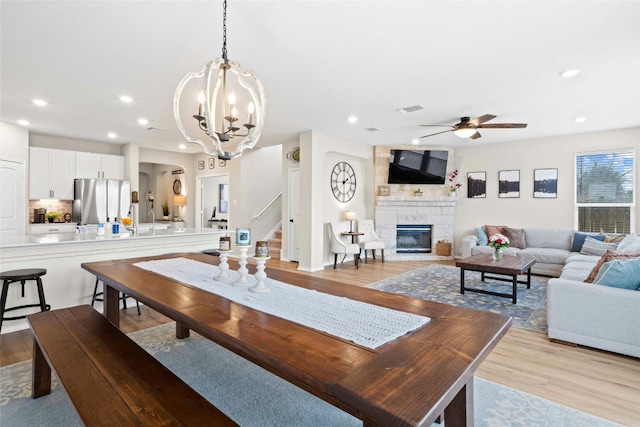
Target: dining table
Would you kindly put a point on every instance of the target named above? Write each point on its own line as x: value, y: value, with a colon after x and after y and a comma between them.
x: 415, y: 379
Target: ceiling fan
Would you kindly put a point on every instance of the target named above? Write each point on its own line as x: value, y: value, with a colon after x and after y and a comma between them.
x: 469, y: 128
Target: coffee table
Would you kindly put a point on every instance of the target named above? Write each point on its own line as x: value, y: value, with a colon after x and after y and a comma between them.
x: 507, y: 266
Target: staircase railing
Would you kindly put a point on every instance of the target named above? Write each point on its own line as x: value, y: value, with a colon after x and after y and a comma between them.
x: 263, y: 210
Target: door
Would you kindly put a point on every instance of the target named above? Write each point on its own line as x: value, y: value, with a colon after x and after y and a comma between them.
x: 12, y: 199
x: 294, y: 215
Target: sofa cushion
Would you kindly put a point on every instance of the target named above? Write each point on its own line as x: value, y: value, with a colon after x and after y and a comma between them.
x: 620, y: 273
x: 578, y: 240
x: 545, y: 255
x: 578, y: 257
x: 488, y: 250
x: 516, y: 237
x: 494, y: 229
x: 548, y: 238
x: 593, y: 246
x: 483, y: 239
x: 608, y: 256
x: 630, y: 244
x: 576, y: 271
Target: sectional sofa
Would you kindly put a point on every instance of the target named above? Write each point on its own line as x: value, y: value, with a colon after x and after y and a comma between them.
x: 604, y: 316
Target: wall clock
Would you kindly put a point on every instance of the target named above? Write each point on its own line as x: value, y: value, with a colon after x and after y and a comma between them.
x: 343, y: 182
x: 177, y: 186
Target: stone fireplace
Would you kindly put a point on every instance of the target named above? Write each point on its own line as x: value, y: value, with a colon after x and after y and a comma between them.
x: 417, y: 217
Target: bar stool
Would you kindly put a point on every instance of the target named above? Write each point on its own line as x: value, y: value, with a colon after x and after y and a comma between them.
x: 122, y: 298
x: 15, y: 276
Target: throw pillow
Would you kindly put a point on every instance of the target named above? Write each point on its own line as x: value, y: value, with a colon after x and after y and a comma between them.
x: 630, y: 244
x: 593, y: 246
x: 613, y: 238
x: 516, y: 237
x: 494, y: 229
x: 483, y: 240
x: 619, y: 273
x: 578, y: 240
x: 608, y: 256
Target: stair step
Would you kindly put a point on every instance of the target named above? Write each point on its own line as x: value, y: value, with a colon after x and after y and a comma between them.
x: 278, y: 234
x: 274, y: 253
x: 275, y: 243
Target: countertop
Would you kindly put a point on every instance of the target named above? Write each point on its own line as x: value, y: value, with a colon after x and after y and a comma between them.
x: 75, y: 238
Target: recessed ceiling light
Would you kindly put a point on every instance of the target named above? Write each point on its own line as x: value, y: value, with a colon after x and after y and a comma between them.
x: 182, y: 146
x: 352, y: 119
x: 23, y: 122
x: 570, y: 73
x: 415, y: 141
x: 125, y: 98
x: 112, y: 135
x: 40, y: 102
x: 580, y: 119
x: 143, y: 121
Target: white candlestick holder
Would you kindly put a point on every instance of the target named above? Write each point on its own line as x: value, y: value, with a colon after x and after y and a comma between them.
x: 223, y: 266
x: 242, y: 271
x: 260, y: 275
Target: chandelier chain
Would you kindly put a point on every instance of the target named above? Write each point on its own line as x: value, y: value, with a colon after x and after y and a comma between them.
x: 224, y: 31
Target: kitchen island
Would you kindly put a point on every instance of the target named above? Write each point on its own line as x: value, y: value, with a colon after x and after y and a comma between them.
x: 66, y: 284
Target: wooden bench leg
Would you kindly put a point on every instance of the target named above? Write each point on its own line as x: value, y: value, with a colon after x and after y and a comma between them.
x: 41, y: 373
x: 182, y: 331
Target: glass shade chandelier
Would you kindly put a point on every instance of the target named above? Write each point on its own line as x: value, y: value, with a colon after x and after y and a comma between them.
x: 227, y: 92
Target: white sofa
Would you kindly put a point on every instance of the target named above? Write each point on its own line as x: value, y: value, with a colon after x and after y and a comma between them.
x: 588, y: 314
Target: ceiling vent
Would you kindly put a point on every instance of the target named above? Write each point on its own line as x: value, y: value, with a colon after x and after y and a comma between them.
x: 155, y: 129
x: 411, y: 109
x: 372, y: 129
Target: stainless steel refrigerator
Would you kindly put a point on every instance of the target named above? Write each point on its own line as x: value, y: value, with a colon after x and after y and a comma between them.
x: 98, y: 200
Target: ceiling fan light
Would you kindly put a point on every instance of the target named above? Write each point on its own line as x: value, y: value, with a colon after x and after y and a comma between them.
x: 464, y: 132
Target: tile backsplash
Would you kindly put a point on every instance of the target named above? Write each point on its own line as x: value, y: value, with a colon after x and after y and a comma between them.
x: 60, y: 206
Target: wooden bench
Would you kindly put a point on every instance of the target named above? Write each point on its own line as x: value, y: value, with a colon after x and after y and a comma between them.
x: 108, y: 377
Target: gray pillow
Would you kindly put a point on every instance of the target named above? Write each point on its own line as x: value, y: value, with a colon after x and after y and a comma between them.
x: 592, y: 246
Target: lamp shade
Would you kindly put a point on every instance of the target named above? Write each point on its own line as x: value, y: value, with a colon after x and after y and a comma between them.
x: 465, y: 132
x: 350, y: 215
x: 179, y: 200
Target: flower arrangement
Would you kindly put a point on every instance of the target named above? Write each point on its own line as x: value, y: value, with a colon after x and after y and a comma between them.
x: 453, y: 185
x: 499, y: 241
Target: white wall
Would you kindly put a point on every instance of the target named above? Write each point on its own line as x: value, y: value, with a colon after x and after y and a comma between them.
x: 555, y: 152
x: 319, y: 154
x: 14, y: 142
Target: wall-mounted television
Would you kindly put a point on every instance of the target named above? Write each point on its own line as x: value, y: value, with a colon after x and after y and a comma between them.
x: 418, y: 166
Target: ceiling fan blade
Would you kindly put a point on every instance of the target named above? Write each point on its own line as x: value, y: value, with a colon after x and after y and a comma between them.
x: 503, y: 125
x: 475, y: 135
x: 479, y: 120
x: 440, y: 126
x: 437, y: 133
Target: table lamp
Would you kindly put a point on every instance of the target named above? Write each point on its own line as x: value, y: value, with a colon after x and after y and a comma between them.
x: 350, y: 216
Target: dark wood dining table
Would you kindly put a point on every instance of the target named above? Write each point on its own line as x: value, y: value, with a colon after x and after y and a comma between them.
x: 410, y: 381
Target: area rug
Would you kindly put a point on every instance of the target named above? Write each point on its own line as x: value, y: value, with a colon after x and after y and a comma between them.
x: 254, y: 397
x: 441, y: 283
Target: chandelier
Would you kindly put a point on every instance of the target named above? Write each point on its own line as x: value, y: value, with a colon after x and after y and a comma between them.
x: 227, y: 92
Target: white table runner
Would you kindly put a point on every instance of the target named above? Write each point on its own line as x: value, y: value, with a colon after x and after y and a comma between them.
x: 365, y: 324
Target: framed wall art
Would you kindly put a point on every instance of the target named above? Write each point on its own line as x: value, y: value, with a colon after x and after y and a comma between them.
x: 200, y: 164
x: 212, y: 163
x: 509, y: 184
x: 545, y: 183
x: 224, y: 198
x: 476, y: 185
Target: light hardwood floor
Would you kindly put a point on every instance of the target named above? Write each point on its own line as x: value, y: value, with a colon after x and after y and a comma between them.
x: 597, y: 382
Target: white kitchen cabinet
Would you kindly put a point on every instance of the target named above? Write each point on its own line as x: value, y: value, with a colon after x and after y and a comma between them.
x: 51, y: 173
x: 94, y: 165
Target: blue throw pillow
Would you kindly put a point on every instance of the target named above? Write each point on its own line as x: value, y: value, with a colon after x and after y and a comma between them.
x: 620, y: 273
x: 483, y: 240
x: 578, y: 240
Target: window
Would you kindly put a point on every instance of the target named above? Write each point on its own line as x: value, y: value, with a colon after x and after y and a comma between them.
x: 605, y: 191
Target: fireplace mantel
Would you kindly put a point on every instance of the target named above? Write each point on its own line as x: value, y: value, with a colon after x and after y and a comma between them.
x: 435, y: 210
